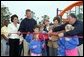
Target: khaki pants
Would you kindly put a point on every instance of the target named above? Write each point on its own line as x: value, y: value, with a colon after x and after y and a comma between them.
x: 52, y: 48
x: 80, y: 50
x: 26, y: 48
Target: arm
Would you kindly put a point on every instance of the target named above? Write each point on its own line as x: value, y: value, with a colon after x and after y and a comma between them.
x: 59, y: 28
x: 35, y: 23
x: 22, y: 27
x: 3, y: 36
x: 9, y: 30
x: 3, y: 33
x: 77, y: 30
x: 32, y: 45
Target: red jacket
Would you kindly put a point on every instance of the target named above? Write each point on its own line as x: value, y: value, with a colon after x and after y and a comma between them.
x: 43, y: 36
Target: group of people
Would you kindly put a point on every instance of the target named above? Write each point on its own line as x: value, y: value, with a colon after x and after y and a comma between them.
x: 31, y: 39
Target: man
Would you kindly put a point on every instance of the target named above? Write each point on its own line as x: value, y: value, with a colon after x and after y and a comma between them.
x: 78, y: 30
x: 27, y: 25
x: 4, y: 39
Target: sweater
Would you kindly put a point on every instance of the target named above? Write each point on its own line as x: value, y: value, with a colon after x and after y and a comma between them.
x: 27, y: 25
x: 35, y: 46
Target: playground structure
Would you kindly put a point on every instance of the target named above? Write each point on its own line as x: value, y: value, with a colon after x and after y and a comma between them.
x: 77, y: 6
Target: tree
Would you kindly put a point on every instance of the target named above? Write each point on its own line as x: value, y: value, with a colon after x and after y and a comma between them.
x: 33, y: 14
x: 45, y: 17
x: 80, y: 16
x: 5, y: 14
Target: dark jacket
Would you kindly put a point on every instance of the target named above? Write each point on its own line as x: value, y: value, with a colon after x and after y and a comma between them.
x: 78, y: 30
x: 27, y: 25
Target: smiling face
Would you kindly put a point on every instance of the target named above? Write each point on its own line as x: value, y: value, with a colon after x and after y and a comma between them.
x: 56, y: 22
x: 36, y: 30
x: 15, y: 20
x: 41, y: 27
x: 5, y: 23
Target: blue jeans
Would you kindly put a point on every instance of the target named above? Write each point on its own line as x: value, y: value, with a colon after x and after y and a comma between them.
x: 44, y: 52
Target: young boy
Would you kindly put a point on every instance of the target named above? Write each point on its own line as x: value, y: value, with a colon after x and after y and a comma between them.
x: 68, y: 45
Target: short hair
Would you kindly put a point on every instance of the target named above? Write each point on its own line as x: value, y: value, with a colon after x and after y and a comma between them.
x: 56, y: 18
x: 4, y: 22
x: 13, y: 16
x: 28, y: 10
x: 45, y: 20
x: 37, y: 26
x: 73, y: 15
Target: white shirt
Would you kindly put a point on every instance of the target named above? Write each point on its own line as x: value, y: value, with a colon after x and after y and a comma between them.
x: 12, y: 30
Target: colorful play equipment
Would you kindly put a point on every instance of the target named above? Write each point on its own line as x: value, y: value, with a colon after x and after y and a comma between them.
x: 78, y: 3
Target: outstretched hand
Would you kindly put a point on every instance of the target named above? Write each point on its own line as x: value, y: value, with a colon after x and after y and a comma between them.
x: 61, y: 34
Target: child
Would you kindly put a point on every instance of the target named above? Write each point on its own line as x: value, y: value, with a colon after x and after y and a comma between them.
x: 68, y: 45
x: 52, y: 43
x: 43, y: 37
x: 35, y: 45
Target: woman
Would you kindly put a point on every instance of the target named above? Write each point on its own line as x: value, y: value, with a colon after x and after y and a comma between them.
x: 52, y: 42
x: 46, y: 29
x: 4, y: 39
x: 14, y: 39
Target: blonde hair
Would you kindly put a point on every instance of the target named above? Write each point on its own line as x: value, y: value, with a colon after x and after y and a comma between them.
x: 68, y: 27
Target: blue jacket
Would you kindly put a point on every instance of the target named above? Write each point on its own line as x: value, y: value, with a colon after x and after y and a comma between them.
x: 68, y: 44
x: 38, y: 49
x: 29, y: 37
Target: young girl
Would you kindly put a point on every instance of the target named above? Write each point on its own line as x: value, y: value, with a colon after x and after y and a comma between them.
x: 68, y: 45
x: 35, y: 45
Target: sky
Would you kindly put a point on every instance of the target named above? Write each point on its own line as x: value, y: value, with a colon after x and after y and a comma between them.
x: 39, y: 7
